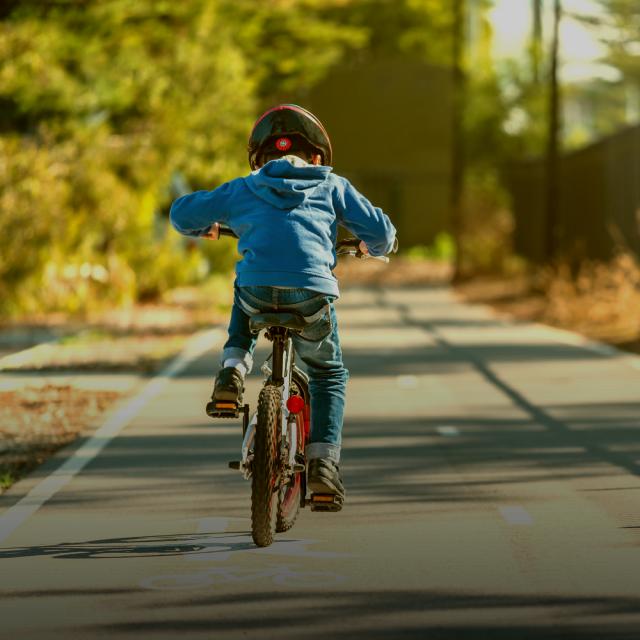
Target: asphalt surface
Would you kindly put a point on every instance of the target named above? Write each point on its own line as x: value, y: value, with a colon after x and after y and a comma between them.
x: 492, y: 471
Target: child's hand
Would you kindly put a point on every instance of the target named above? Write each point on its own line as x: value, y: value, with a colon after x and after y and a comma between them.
x: 363, y: 247
x: 213, y: 233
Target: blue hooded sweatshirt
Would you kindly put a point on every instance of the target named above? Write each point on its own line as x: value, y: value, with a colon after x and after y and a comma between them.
x: 286, y: 218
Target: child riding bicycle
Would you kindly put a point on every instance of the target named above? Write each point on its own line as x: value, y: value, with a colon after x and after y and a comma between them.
x: 286, y: 214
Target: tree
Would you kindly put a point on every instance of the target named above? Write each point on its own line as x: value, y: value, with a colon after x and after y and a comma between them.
x: 553, y: 142
x: 536, y: 45
x: 617, y: 24
x: 116, y: 97
x: 457, y: 119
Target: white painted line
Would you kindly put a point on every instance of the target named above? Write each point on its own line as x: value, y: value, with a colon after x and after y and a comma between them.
x: 565, y: 336
x: 214, y: 549
x: 213, y: 525
x: 24, y: 357
x: 603, y: 349
x: 448, y: 432
x: 407, y: 382
x: 562, y: 335
x: 13, y: 517
x: 568, y: 337
x: 516, y: 515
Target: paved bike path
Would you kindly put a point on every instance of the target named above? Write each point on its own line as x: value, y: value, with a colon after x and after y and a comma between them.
x: 492, y: 476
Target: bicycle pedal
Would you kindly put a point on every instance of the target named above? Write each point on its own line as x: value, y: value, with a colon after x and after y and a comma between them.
x: 223, y: 409
x: 234, y: 464
x: 325, y: 502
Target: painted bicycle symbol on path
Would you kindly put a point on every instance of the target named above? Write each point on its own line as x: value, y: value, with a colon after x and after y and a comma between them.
x: 216, y: 546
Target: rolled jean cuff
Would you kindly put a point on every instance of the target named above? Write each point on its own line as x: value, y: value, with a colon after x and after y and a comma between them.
x: 240, y: 354
x: 323, y: 450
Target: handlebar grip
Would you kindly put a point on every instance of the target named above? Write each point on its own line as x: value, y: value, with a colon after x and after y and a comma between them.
x: 348, y: 242
x: 355, y: 242
x: 226, y: 231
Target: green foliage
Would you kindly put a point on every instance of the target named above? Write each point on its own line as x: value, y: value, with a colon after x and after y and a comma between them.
x: 618, y: 26
x: 6, y: 479
x: 101, y: 103
x: 614, y: 103
x: 443, y: 248
x: 416, y: 28
x: 592, y: 108
x: 290, y: 44
x: 486, y: 236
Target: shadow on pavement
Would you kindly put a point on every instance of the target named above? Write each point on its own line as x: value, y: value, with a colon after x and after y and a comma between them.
x: 181, y: 544
x: 392, y: 614
x: 413, y: 463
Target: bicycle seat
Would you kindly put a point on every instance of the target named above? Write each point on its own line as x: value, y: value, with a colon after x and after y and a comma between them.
x: 288, y: 319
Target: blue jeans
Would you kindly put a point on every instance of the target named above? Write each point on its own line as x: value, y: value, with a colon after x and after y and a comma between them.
x: 318, y: 346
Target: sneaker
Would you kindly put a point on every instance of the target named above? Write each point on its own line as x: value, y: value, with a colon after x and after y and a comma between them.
x: 229, y: 386
x: 323, y: 477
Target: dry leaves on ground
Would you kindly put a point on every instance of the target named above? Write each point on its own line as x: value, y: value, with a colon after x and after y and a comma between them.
x: 601, y: 300
x: 35, y: 422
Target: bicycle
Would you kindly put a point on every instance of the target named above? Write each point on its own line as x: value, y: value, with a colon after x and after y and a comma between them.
x: 274, y: 437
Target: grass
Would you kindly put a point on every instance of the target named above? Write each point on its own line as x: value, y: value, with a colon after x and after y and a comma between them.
x: 7, y: 478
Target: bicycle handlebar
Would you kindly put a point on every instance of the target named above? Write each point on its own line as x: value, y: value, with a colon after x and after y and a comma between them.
x: 346, y: 247
x: 351, y: 247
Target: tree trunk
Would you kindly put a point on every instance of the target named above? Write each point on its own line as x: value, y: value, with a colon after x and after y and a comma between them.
x: 553, y: 142
x: 536, y: 41
x: 457, y: 133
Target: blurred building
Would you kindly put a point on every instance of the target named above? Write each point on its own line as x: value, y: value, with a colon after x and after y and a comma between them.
x: 390, y: 126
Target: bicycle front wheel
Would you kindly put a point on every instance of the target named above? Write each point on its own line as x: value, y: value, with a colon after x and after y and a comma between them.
x: 264, y: 471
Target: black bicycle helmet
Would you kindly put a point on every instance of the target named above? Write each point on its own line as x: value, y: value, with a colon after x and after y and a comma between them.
x: 288, y: 120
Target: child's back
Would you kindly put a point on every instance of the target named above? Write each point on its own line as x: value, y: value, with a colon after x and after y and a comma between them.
x: 287, y: 218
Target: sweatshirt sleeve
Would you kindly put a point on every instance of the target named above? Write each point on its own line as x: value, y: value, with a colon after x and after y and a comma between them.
x: 365, y: 221
x: 194, y: 213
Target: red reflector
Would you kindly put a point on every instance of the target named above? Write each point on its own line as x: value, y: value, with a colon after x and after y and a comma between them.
x: 283, y: 144
x: 295, y: 404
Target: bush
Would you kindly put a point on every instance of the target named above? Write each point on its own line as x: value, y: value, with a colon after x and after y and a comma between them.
x: 101, y: 103
x: 602, y: 297
x: 487, y: 233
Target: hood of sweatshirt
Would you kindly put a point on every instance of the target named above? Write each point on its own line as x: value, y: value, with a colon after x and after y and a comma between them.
x: 285, y: 185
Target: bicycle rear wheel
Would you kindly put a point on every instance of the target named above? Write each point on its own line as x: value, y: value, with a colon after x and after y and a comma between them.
x: 264, y: 471
x: 292, y: 494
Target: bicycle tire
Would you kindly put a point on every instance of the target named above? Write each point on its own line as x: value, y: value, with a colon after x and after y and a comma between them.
x: 264, y: 468
x: 291, y: 495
